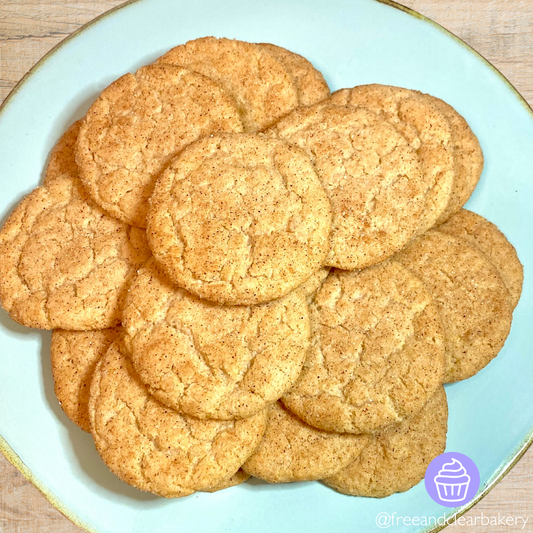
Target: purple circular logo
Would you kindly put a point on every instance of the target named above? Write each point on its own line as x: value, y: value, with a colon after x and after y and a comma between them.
x: 452, y: 479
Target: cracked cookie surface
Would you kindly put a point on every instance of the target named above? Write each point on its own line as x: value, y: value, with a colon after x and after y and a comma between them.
x: 427, y: 130
x: 471, y: 297
x: 291, y: 450
x: 239, y: 219
x: 157, y: 449
x: 64, y: 262
x: 372, y: 177
x: 311, y: 85
x: 74, y: 357
x: 377, y: 351
x: 397, y: 458
x: 493, y: 243
x: 137, y: 125
x: 213, y: 361
x: 468, y: 158
x: 311, y: 286
x: 260, y: 84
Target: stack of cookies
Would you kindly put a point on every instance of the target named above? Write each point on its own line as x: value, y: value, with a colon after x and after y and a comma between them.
x: 248, y: 276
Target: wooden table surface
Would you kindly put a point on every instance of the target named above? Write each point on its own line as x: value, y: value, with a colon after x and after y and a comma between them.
x: 501, y: 30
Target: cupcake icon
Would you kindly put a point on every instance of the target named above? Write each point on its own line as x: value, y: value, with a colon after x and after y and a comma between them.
x: 452, y: 482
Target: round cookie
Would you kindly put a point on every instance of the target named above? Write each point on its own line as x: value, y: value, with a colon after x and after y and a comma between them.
x: 372, y: 177
x: 397, y: 458
x: 426, y: 129
x: 493, y: 243
x: 377, y: 351
x: 64, y: 263
x: 74, y: 357
x: 293, y: 451
x: 234, y: 480
x: 212, y: 361
x: 157, y: 449
x: 311, y: 85
x: 239, y: 219
x: 471, y: 297
x: 468, y: 158
x: 260, y: 84
x: 137, y: 125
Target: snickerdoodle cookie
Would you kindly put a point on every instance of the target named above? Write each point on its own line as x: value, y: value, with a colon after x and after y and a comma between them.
x: 377, y: 351
x: 371, y: 174
x: 157, y: 449
x: 261, y: 86
x: 239, y: 219
x: 426, y: 128
x: 397, y: 458
x: 312, y: 87
x: 493, y: 243
x: 472, y: 299
x: 468, y: 158
x: 74, y: 358
x: 291, y: 450
x: 137, y: 125
x: 65, y: 263
x: 213, y: 361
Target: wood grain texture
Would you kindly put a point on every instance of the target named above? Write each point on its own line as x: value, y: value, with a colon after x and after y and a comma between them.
x: 502, y: 31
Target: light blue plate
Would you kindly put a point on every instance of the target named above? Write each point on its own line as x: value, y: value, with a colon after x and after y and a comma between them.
x: 352, y: 42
